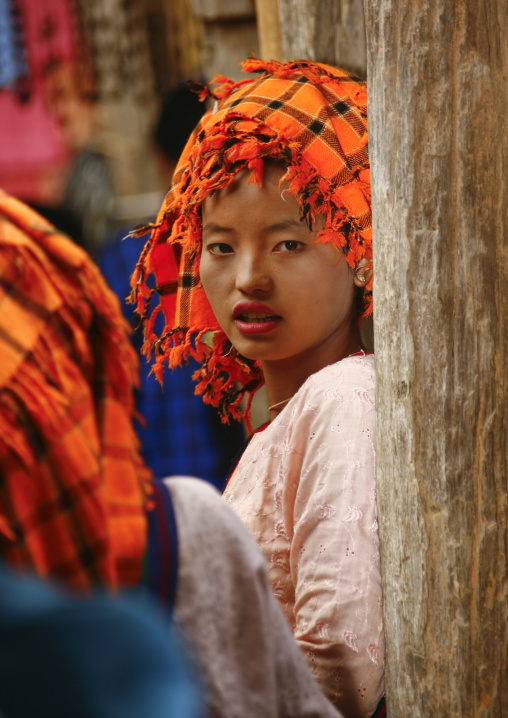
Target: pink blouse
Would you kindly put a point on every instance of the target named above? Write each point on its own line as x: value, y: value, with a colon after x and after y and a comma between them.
x: 306, y: 488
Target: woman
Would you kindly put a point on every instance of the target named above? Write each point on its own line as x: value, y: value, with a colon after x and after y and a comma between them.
x: 270, y: 207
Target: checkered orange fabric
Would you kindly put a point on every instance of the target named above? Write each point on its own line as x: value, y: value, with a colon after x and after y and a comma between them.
x: 73, y: 488
x: 313, y: 118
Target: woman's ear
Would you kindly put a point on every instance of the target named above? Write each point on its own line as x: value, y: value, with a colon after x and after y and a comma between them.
x: 363, y: 273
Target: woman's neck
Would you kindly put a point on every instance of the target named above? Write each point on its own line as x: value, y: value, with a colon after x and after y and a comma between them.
x: 284, y: 377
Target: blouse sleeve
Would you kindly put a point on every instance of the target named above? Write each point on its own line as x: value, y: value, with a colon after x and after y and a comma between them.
x: 330, y: 519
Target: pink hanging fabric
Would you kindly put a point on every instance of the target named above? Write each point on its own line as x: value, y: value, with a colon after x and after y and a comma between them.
x: 32, y: 151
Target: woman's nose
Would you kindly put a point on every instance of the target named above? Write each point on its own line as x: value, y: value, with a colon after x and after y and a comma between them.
x: 253, y: 275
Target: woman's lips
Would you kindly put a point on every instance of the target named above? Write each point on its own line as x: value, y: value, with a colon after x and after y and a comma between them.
x: 255, y: 318
x: 259, y: 327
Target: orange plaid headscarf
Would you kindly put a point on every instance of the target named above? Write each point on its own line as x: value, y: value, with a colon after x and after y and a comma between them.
x: 313, y: 118
x: 73, y: 488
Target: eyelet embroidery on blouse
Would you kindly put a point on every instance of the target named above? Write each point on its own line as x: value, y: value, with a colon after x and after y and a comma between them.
x: 305, y: 486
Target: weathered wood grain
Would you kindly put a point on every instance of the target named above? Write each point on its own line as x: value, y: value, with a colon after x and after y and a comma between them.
x: 438, y: 108
x: 331, y: 31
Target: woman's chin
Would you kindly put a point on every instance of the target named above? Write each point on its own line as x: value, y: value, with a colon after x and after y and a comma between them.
x: 246, y: 350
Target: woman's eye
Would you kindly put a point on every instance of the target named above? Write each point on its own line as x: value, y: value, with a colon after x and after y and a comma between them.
x: 219, y: 248
x: 290, y: 245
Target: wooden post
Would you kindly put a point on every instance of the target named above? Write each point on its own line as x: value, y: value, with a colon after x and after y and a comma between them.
x: 331, y: 31
x: 438, y: 108
x: 267, y: 13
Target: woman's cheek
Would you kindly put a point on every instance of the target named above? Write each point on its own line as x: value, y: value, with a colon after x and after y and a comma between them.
x: 204, y: 274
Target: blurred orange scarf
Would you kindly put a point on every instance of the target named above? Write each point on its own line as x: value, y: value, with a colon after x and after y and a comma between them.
x: 73, y: 487
x: 313, y: 118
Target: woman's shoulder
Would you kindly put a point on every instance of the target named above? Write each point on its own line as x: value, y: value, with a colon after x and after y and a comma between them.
x: 345, y: 386
x: 348, y: 383
x: 349, y: 375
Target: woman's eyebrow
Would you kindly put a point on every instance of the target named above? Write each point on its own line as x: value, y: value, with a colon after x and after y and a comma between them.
x: 212, y: 228
x: 285, y: 224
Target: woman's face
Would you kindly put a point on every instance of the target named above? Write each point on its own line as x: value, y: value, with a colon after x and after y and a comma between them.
x: 276, y: 294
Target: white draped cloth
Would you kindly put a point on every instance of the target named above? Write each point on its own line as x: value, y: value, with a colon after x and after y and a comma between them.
x: 306, y: 488
x: 244, y: 654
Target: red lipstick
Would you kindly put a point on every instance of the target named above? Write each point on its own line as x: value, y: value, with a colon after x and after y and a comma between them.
x: 255, y: 318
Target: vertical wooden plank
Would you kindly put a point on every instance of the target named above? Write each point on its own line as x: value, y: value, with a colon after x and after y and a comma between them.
x: 267, y: 14
x: 331, y: 31
x: 438, y: 103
